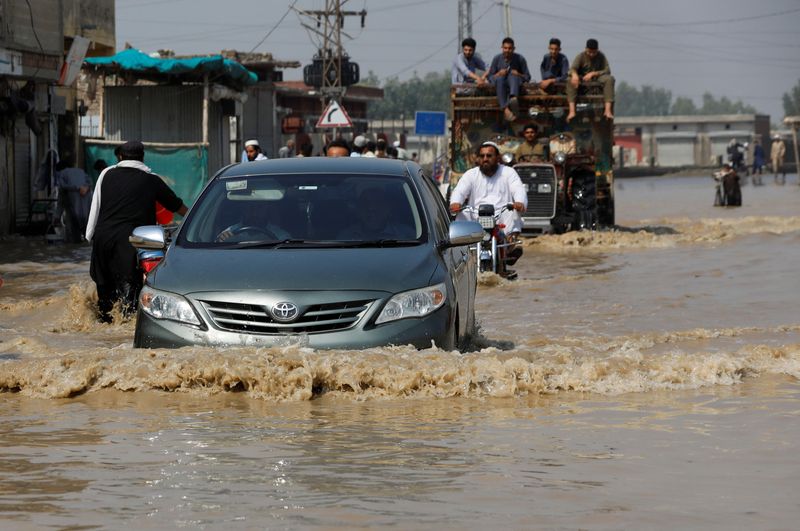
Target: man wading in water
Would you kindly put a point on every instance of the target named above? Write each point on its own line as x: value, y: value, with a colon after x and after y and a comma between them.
x: 125, y: 198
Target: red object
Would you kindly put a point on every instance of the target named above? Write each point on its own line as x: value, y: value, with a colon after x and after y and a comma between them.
x: 163, y: 216
x: 149, y: 264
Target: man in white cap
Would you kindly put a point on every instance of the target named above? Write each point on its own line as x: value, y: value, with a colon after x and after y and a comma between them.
x: 253, y: 151
x: 359, y: 145
x: 402, y: 154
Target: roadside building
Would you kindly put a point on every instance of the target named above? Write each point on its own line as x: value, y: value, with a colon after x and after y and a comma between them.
x: 38, y: 102
x: 301, y: 106
x: 685, y: 141
x: 262, y: 115
x: 186, y: 111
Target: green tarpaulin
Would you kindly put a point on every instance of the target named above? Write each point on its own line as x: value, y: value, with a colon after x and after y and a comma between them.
x: 184, y: 168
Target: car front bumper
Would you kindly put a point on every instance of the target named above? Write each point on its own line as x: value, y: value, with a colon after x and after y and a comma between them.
x: 421, y: 332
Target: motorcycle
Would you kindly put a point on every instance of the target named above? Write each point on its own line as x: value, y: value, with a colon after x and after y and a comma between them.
x: 494, y: 251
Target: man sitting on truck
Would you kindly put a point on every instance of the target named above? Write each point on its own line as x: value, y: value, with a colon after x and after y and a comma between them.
x: 508, y: 72
x: 466, y: 65
x: 531, y: 149
x: 591, y: 65
x: 555, y: 65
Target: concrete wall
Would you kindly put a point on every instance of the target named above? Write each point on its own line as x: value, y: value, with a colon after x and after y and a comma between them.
x: 93, y: 19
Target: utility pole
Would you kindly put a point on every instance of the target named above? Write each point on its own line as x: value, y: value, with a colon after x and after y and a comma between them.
x: 464, y: 21
x: 327, y: 24
x: 507, y: 17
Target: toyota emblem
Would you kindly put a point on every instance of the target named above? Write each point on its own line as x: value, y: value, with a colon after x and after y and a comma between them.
x: 284, y: 312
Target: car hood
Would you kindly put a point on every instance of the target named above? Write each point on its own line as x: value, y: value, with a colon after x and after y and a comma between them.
x: 391, y: 269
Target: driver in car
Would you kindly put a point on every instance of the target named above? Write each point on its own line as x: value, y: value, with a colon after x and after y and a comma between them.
x: 255, y: 223
x: 493, y: 183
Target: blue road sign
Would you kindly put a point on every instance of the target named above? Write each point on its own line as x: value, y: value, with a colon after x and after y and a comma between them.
x: 430, y: 123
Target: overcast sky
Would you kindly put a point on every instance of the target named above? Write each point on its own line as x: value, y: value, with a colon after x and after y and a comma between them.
x: 743, y: 49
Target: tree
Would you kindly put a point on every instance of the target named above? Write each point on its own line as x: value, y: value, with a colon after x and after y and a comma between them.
x: 723, y: 106
x: 791, y: 101
x: 429, y: 93
x: 648, y: 101
x: 683, y: 105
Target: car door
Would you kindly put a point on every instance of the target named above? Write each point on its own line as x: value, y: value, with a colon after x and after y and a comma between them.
x: 457, y: 259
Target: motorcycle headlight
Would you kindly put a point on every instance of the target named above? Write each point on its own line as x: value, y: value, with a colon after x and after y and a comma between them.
x: 507, y: 158
x: 414, y: 303
x: 163, y: 305
x: 560, y: 157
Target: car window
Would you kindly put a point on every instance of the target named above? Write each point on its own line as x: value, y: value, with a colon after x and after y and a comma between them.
x: 441, y: 216
x: 330, y: 208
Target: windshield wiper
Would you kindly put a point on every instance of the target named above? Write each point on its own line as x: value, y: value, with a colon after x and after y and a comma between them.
x: 379, y: 243
x: 281, y: 244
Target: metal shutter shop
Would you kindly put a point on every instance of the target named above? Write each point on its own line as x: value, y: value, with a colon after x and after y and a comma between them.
x: 676, y: 149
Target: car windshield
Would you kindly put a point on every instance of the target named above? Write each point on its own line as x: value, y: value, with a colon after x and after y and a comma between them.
x: 302, y: 210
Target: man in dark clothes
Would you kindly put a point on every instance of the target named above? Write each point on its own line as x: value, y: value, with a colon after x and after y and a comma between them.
x: 508, y: 72
x: 731, y: 188
x: 555, y: 65
x: 125, y: 198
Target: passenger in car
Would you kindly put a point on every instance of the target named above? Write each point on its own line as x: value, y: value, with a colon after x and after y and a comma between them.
x: 379, y: 216
x: 257, y: 221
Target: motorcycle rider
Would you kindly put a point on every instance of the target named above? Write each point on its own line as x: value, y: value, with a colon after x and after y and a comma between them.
x: 493, y: 183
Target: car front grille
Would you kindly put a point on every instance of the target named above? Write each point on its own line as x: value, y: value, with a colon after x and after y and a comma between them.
x: 256, y: 319
x: 540, y: 204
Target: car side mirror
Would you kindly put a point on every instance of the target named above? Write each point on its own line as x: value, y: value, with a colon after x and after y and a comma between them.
x: 148, y: 237
x: 463, y: 233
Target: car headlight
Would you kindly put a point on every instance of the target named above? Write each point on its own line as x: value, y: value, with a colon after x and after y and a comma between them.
x: 414, y: 303
x: 163, y: 305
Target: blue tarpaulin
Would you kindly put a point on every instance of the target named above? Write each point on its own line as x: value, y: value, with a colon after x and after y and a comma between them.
x: 133, y: 60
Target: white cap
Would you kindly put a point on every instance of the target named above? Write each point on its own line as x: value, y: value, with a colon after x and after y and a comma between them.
x: 360, y: 141
x: 396, y: 143
x: 251, y: 143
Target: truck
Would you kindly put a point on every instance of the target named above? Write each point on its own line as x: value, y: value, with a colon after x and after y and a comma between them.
x: 571, y: 186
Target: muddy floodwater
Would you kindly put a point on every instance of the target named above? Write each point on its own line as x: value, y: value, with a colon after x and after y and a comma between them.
x: 641, y: 378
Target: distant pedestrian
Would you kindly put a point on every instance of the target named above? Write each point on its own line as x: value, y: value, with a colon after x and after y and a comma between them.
x: 359, y: 146
x: 253, y: 151
x: 777, y: 153
x: 125, y: 197
x: 369, y: 151
x: 287, y: 151
x: 306, y: 150
x: 380, y: 149
x: 337, y: 148
x: 74, y: 199
x: 759, y: 159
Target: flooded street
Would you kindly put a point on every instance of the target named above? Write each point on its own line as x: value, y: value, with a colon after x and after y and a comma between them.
x: 646, y: 377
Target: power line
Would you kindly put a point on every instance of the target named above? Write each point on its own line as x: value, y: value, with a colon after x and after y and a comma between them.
x: 273, y: 28
x: 445, y: 45
x: 653, y: 24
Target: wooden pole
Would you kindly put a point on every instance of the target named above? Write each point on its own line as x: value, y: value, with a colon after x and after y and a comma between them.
x: 205, y: 109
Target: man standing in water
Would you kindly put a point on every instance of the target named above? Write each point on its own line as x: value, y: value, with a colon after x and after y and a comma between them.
x: 125, y: 197
x: 497, y: 184
x: 777, y: 152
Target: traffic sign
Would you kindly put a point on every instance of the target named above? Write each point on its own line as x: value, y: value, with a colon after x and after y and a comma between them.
x: 430, y: 123
x: 334, y: 116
